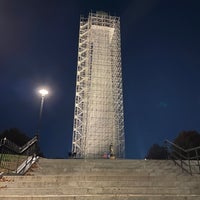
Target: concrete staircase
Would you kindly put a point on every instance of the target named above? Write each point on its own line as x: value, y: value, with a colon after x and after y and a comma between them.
x: 104, y: 179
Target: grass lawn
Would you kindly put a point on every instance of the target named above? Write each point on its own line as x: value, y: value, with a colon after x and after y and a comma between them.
x: 9, y: 162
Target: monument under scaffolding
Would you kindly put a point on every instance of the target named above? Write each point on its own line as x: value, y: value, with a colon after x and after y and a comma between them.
x: 98, y: 114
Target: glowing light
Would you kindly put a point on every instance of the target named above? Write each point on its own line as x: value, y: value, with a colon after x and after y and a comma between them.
x: 43, y: 92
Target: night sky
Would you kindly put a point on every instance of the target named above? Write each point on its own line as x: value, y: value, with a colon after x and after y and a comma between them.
x: 160, y: 43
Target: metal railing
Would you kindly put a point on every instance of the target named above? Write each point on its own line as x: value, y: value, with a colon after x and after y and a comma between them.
x: 187, y: 159
x: 15, y: 159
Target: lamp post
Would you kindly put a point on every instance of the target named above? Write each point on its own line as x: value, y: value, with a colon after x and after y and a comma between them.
x: 43, y: 93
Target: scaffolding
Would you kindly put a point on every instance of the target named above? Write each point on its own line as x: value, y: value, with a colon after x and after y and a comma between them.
x: 98, y: 113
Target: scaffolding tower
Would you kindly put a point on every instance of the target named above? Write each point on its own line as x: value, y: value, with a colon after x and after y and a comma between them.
x: 98, y: 113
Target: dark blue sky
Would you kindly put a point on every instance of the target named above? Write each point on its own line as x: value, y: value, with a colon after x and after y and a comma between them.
x: 160, y: 60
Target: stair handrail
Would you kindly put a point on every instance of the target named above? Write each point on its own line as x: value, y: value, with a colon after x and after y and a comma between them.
x: 28, y: 144
x: 11, y: 145
x: 27, y: 151
x: 182, y: 157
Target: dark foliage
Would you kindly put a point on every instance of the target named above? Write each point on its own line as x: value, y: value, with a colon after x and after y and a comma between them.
x: 188, y: 139
x: 19, y: 138
x: 16, y: 136
x: 157, y: 152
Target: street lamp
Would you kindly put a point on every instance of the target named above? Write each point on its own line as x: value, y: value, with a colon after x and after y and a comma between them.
x: 43, y: 93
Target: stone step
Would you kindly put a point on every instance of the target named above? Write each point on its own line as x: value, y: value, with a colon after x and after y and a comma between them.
x: 107, y: 166
x: 106, y: 163
x: 101, y: 180
x: 102, y: 177
x: 105, y: 173
x: 99, y: 197
x: 63, y: 190
x: 45, y: 184
x: 138, y: 172
x: 44, y: 181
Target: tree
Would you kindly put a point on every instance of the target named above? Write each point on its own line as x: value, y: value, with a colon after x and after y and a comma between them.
x: 15, y: 135
x: 188, y: 139
x: 157, y: 152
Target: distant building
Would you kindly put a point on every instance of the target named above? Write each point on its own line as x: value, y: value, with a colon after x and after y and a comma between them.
x: 98, y: 114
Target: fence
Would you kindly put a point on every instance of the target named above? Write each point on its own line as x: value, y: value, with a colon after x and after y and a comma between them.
x: 187, y: 159
x: 15, y: 159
